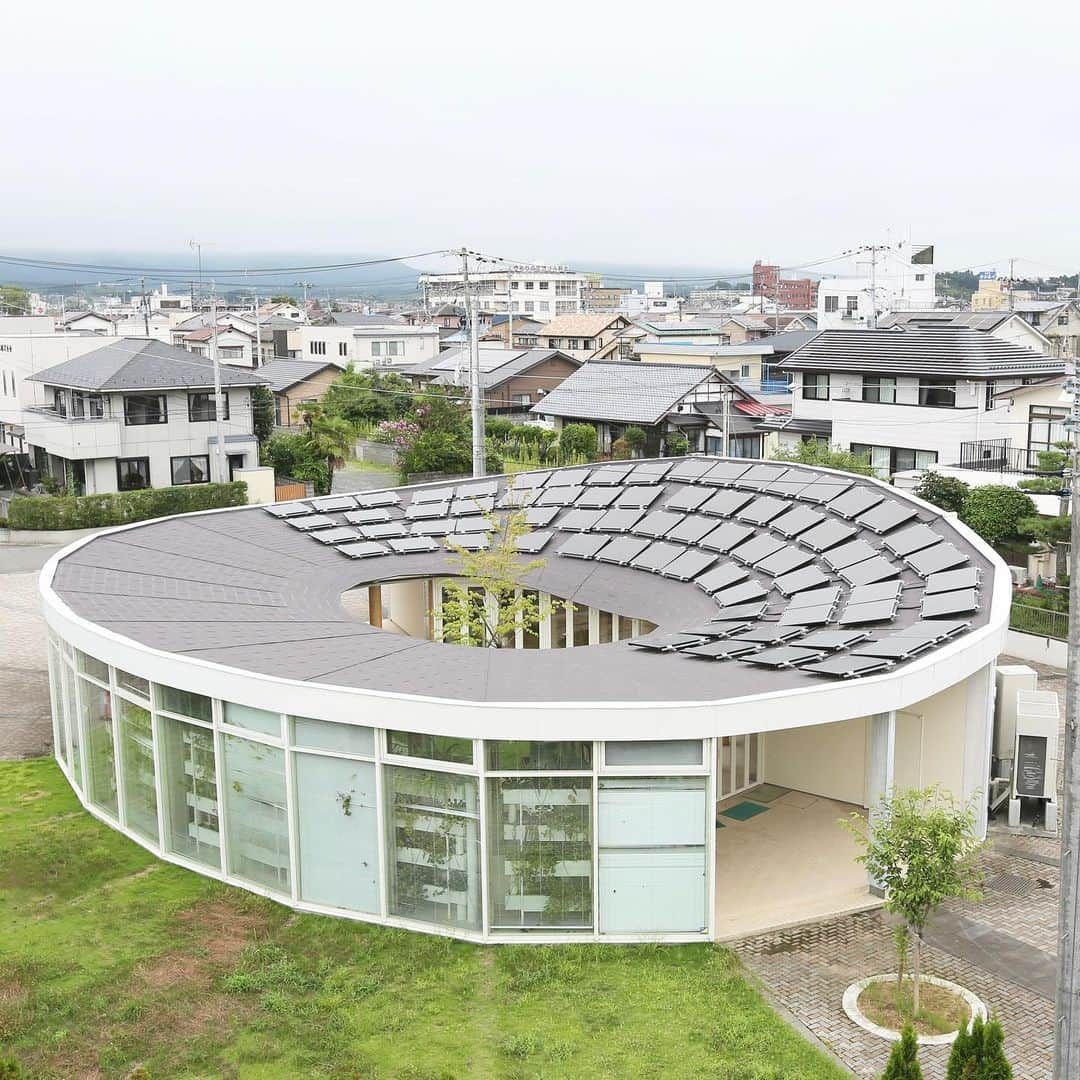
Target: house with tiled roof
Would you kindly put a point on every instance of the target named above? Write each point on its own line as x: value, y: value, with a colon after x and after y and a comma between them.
x: 588, y: 337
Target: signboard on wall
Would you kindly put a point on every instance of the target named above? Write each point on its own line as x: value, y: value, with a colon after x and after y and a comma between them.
x: 1031, y: 765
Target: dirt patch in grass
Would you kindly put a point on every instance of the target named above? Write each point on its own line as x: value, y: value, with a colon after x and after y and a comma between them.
x: 223, y: 929
x: 940, y: 1011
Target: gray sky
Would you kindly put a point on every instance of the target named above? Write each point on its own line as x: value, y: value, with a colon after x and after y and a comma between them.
x: 690, y: 135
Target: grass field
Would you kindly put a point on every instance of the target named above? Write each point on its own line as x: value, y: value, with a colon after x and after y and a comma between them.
x: 110, y: 959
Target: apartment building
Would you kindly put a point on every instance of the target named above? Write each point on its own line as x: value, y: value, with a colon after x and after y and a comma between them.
x: 789, y: 292
x: 885, y: 279
x: 528, y: 289
x: 366, y: 346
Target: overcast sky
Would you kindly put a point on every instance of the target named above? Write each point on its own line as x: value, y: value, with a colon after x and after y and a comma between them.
x: 686, y: 135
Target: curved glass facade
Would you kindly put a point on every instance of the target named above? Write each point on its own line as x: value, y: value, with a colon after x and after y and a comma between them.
x: 479, y: 839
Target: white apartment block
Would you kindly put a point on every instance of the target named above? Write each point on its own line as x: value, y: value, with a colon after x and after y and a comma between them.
x: 539, y: 291
x: 397, y: 345
x: 890, y: 279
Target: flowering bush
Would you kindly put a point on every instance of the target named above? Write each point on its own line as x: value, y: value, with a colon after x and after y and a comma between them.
x: 400, y: 434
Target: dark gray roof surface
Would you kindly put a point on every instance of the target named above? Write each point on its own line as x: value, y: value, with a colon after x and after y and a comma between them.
x: 140, y: 364
x: 948, y: 351
x: 281, y: 374
x: 355, y: 318
x: 247, y: 589
x: 496, y: 365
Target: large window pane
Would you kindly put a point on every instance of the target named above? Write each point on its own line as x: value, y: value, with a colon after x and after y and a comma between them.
x: 540, y: 836
x: 74, y: 734
x: 60, y: 727
x: 92, y: 666
x: 325, y: 735
x: 185, y: 703
x: 436, y: 747
x: 189, y: 788
x: 244, y: 716
x: 660, y: 752
x: 338, y: 832
x: 100, y: 751
x: 433, y: 826
x: 137, y: 757
x: 520, y: 756
x: 255, y: 812
x: 136, y: 685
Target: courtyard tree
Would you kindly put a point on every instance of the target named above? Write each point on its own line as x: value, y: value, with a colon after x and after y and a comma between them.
x: 995, y: 511
x: 262, y: 413
x: 329, y: 438
x: 636, y: 439
x: 368, y: 396
x: 947, y: 492
x: 920, y: 848
x: 577, y: 441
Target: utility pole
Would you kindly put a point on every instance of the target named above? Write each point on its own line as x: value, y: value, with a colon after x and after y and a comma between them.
x: 196, y: 246
x: 1067, y: 1027
x: 1012, y: 263
x: 145, y: 307
x: 305, y: 285
x: 218, y: 400
x: 873, y: 287
x: 257, y: 357
x: 479, y: 463
x: 724, y: 396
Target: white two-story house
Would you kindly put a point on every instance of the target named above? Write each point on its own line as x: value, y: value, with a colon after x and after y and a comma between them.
x: 914, y: 398
x: 137, y: 413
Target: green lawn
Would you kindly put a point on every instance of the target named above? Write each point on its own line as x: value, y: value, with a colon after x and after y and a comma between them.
x: 109, y: 959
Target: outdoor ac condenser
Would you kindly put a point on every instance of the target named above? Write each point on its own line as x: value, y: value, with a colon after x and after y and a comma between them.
x: 1011, y: 678
x: 1034, y: 774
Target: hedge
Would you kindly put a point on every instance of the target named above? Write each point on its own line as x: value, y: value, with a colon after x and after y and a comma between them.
x: 120, y: 508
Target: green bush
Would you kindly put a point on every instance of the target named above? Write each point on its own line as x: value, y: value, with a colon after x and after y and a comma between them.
x: 948, y: 492
x: 577, y: 441
x: 676, y: 444
x: 903, y: 1062
x: 819, y: 452
x: 995, y: 511
x: 635, y: 438
x: 1043, y: 485
x: 39, y: 512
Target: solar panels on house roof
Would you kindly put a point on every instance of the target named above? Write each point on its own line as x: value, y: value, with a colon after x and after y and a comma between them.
x: 934, y: 560
x: 414, y: 545
x: 583, y: 546
x: 533, y: 542
x: 377, y: 498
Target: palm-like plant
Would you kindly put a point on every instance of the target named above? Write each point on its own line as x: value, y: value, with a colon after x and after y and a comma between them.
x: 329, y: 437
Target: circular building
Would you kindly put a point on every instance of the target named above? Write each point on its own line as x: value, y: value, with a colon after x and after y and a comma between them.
x: 730, y: 656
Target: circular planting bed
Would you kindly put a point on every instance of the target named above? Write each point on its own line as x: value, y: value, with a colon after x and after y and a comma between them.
x: 879, y: 1006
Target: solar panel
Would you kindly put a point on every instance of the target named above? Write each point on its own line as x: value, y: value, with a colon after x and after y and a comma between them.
x: 847, y: 667
x: 783, y: 657
x: 622, y: 549
x: 855, y: 551
x: 726, y: 536
x: 439, y: 527
x: 481, y: 489
x: 558, y: 496
x: 866, y: 573
x: 656, y: 556
x: 472, y: 504
x: 882, y: 590
x: 384, y: 531
x: 422, y: 511
x: 832, y: 639
x: 568, y: 477
x: 639, y: 497
x: 875, y: 611
x: 473, y: 524
x: 367, y: 517
x: 534, y: 478
x: 472, y: 541
x: 531, y: 543
x: 760, y: 547
x: 726, y: 503
x: 583, y: 546
x: 658, y: 523
x: 332, y: 504
x: 771, y: 634
x: 578, y: 520
x: 689, y: 564
x: 933, y: 630
x: 742, y: 611
x: 796, y: 521
x: 377, y: 498
x: 893, y: 647
x: 665, y: 642
x: 365, y: 549
x: 933, y: 560
x: 515, y: 499
x: 690, y: 469
x: 619, y: 521
x: 762, y: 511
x: 720, y: 650
x: 716, y: 629
x: 809, y: 577
x: 692, y: 528
x: 913, y: 538
x: 414, y: 545
x: 763, y: 474
x: 290, y: 509
x: 428, y: 495
x: 856, y: 501
x: 886, y: 515
x: 337, y: 536
x: 793, y: 480
x: 823, y: 491
x: 311, y: 521
x: 966, y: 578
x: 597, y: 498
x: 539, y: 516
x: 959, y: 602
x: 784, y: 561
x: 814, y: 597
x: 650, y: 472
x: 737, y: 594
x: 827, y: 535
x: 807, y: 616
x: 609, y: 475
x: 688, y: 498
x: 724, y: 473
x: 721, y: 577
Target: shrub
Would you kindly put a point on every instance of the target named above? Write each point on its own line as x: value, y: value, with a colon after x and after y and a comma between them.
x: 121, y: 507
x: 635, y: 438
x: 10, y: 1069
x: 1054, y: 530
x: 620, y: 450
x: 903, y: 1062
x: 945, y: 491
x: 676, y: 443
x: 1051, y: 461
x: 995, y: 511
x: 1043, y: 485
x: 818, y: 452
x: 578, y: 440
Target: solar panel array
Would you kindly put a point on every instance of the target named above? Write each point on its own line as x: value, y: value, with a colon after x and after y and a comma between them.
x: 806, y: 570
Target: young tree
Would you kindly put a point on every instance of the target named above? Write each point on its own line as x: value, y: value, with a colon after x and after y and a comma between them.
x: 578, y: 440
x: 484, y: 606
x: 368, y: 396
x: 262, y: 413
x: 635, y: 438
x: 903, y: 1063
x: 817, y: 452
x: 945, y: 491
x: 920, y: 847
x: 329, y: 438
x: 995, y: 511
x: 993, y: 1065
x: 963, y: 1049
x: 676, y: 444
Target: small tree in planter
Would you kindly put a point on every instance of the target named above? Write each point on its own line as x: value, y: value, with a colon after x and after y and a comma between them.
x: 920, y: 848
x: 903, y: 1063
x: 979, y: 1054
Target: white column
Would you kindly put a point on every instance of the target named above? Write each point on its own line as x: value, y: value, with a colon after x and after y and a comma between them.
x: 880, y: 768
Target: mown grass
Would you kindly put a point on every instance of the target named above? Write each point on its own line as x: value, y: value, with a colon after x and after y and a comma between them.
x: 110, y: 959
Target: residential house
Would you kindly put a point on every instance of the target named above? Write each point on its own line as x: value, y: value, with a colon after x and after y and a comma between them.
x: 90, y: 322
x: 527, y: 288
x: 513, y: 380
x: 357, y: 318
x: 659, y: 398
x: 1058, y: 320
x: 885, y: 279
x: 364, y: 346
x: 290, y: 311
x: 913, y: 398
x: 601, y: 300
x: 137, y: 413
x: 1006, y: 325
x: 701, y: 331
x: 524, y: 331
x: 295, y: 383
x: 588, y: 337
x: 235, y: 347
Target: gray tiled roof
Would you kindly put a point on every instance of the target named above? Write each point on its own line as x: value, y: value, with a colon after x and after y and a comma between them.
x: 496, y: 365
x: 140, y: 364
x: 281, y: 374
x: 950, y: 352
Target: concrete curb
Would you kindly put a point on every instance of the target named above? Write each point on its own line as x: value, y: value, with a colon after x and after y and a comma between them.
x: 858, y: 1017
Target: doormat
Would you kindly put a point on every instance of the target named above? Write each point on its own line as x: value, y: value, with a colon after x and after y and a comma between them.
x: 766, y: 792
x: 743, y: 811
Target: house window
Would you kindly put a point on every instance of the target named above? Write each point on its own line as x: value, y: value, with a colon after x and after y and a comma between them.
x: 543, y: 305
x: 388, y: 348
x: 816, y: 386
x: 1045, y: 427
x: 937, y: 393
x: 523, y: 399
x: 231, y: 352
x: 145, y: 409
x: 744, y: 371
x: 343, y: 348
x: 1063, y: 320
x: 87, y: 405
x: 880, y: 389
x: 852, y: 307
x: 529, y: 306
x: 531, y: 284
x: 191, y: 470
x: 832, y: 303
x: 545, y: 284
x: 566, y: 288
x: 920, y: 277
x: 887, y: 460
x: 317, y: 348
x: 201, y: 407
x: 513, y: 284
x: 60, y: 402
x: 572, y: 343
x: 132, y: 473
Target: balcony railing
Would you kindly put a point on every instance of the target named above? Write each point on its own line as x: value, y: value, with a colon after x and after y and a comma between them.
x: 1039, y: 621
x: 997, y: 455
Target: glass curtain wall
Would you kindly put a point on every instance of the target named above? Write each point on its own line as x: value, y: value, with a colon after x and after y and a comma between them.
x: 137, y: 765
x: 189, y: 789
x: 97, y: 718
x: 256, y: 814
